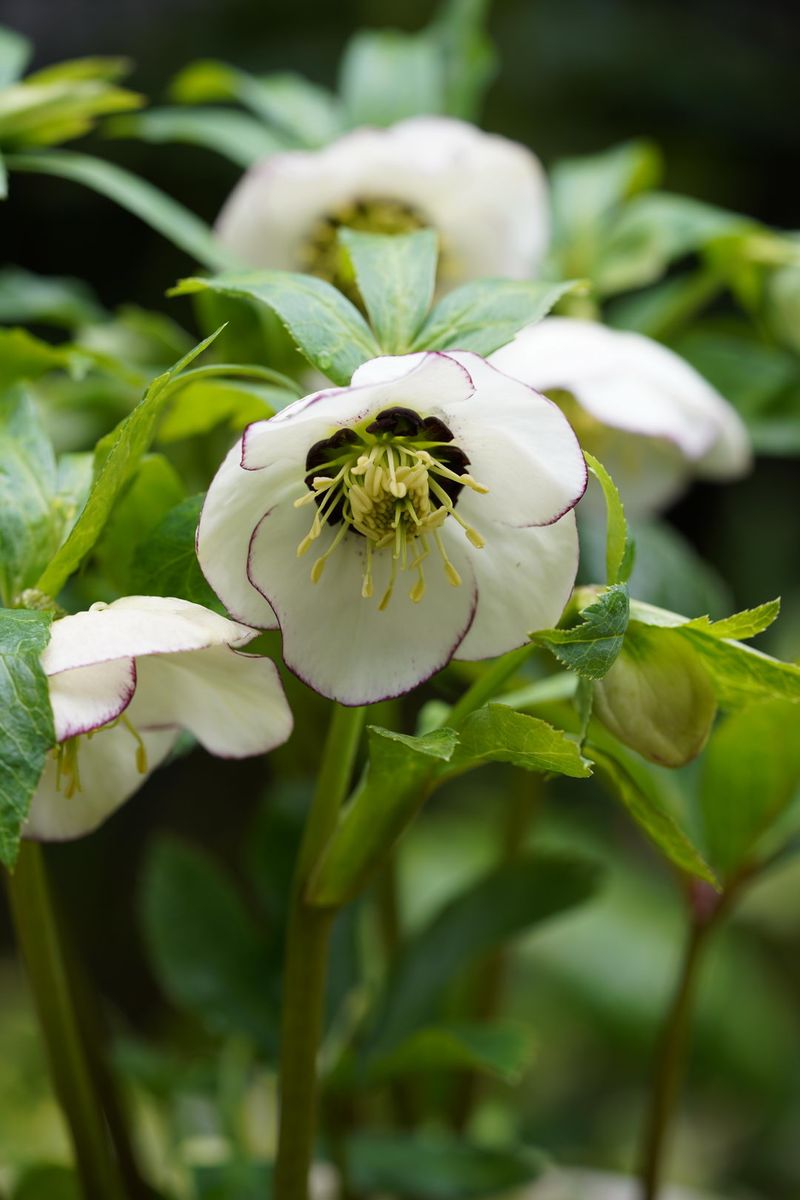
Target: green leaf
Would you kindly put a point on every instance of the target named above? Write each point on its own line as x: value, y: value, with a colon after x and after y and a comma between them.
x: 654, y: 230
x: 395, y: 276
x: 395, y: 785
x: 205, y: 403
x: 591, y: 647
x: 154, y: 490
x: 587, y: 191
x: 751, y: 772
x: 486, y: 314
x: 26, y: 731
x: 48, y: 1183
x: 430, y: 1166
x: 637, y: 790
x: 3, y: 178
x: 468, y: 57
x: 160, y: 212
x: 303, y: 111
x: 746, y: 624
x: 16, y: 52
x: 165, y: 563
x: 501, y: 1049
x: 503, y: 903
x: 327, y: 329
x: 23, y: 356
x: 49, y: 108
x: 46, y: 300
x: 118, y: 456
x: 746, y: 371
x: 233, y: 134
x: 204, y: 946
x: 496, y: 733
x: 387, y: 76
x: 30, y: 528
x: 619, y: 546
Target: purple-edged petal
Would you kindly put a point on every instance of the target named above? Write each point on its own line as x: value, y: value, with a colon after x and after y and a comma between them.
x: 87, y: 697
x: 520, y: 446
x: 109, y: 775
x: 340, y: 643
x: 525, y: 578
x: 233, y: 703
x: 137, y: 625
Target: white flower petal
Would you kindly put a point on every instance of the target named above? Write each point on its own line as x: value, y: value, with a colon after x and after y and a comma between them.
x: 524, y: 577
x: 520, y: 446
x: 631, y: 383
x: 109, y: 776
x: 87, y: 697
x: 485, y: 195
x: 137, y: 625
x: 233, y: 703
x: 341, y: 644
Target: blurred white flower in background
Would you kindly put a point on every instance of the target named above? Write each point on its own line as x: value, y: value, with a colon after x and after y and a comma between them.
x: 125, y: 679
x: 651, y: 418
x: 485, y: 196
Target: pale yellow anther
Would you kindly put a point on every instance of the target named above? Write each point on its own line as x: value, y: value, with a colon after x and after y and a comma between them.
x: 306, y: 544
x: 452, y: 574
x: 418, y: 590
x: 473, y: 535
x: 318, y: 568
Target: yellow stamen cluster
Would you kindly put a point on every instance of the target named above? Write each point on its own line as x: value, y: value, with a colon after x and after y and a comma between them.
x: 68, y: 776
x: 389, y: 490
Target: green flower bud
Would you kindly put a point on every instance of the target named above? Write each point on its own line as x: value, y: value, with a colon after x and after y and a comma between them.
x: 657, y: 698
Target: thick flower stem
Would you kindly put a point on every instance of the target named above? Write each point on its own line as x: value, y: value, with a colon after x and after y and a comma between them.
x: 669, y: 1064
x: 41, y: 945
x: 305, y: 969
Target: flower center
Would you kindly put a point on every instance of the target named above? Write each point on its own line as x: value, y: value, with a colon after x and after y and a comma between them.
x: 322, y: 255
x: 393, y: 481
x: 66, y: 754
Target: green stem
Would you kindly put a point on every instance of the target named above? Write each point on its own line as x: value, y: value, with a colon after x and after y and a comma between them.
x: 669, y: 1064
x: 42, y: 948
x: 305, y: 969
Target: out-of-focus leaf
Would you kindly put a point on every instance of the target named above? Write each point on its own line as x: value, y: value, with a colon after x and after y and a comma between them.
x: 30, y: 530
x: 749, y: 373
x: 58, y: 104
x: 204, y: 946
x: 395, y: 276
x: 502, y: 1049
x: 41, y: 299
x: 469, y: 59
x: 302, y: 111
x: 118, y: 456
x: 438, y: 1167
x: 387, y: 76
x: 327, y: 329
x: 237, y: 1180
x: 26, y: 730
x: 15, y: 54
x: 205, y: 403
x: 165, y: 563
x: 506, y: 901
x: 154, y: 490
x: 590, y: 647
x: 486, y: 314
x: 637, y: 790
x: 23, y: 356
x: 137, y: 337
x: 587, y: 191
x: 495, y: 733
x: 394, y: 787
x: 652, y: 231
x: 235, y: 135
x: 161, y: 212
x: 48, y: 1183
x: 661, y: 311
x: 751, y: 772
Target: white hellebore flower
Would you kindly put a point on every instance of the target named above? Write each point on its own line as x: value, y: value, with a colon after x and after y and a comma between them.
x: 649, y: 416
x: 413, y: 558
x: 485, y: 196
x: 125, y: 679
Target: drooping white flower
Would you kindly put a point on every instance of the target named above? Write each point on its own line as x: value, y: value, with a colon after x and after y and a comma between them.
x: 649, y: 416
x: 125, y: 679
x: 486, y: 197
x: 422, y: 513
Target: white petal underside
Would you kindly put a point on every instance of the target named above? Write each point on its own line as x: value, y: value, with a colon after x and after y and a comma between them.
x: 109, y: 776
x: 233, y: 703
x: 87, y: 697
